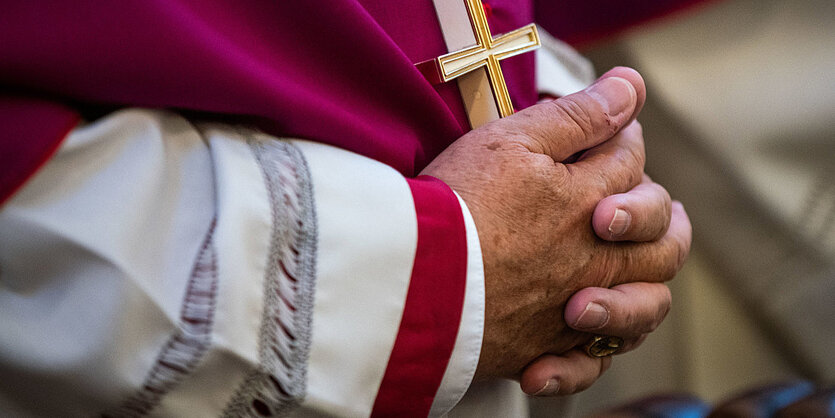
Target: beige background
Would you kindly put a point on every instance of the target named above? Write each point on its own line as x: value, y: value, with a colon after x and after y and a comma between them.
x: 740, y: 125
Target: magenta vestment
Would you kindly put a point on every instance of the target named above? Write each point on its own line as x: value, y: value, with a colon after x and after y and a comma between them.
x: 339, y: 72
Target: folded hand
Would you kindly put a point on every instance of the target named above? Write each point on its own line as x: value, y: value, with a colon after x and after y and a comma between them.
x: 550, y: 230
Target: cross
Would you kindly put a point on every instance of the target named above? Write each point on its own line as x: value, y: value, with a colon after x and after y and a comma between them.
x: 486, y: 53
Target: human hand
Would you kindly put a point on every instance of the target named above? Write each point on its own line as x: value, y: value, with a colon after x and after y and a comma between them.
x: 532, y: 213
x: 630, y: 311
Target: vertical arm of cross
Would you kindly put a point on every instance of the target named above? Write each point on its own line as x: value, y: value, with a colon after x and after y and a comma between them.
x: 510, y: 44
x: 479, y: 21
x: 488, y: 53
x: 500, y: 92
x: 494, y: 70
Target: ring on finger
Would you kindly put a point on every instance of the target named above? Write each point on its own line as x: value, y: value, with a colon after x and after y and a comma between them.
x: 603, y: 346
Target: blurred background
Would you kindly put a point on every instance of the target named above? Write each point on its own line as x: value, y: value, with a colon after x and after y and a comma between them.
x: 740, y: 126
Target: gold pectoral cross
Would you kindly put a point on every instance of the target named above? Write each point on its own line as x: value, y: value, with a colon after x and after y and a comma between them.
x: 486, y: 53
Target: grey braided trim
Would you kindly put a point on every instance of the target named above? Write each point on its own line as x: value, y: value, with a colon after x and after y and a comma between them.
x: 186, y: 347
x: 278, y: 384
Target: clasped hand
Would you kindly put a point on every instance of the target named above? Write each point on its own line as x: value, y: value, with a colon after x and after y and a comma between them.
x: 569, y: 248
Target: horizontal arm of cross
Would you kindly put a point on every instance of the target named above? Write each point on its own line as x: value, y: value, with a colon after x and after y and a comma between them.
x: 461, y: 62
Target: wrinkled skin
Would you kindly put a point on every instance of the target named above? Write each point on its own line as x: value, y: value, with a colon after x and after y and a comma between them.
x: 543, y: 227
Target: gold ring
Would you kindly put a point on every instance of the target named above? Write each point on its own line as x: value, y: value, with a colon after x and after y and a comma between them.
x: 603, y: 346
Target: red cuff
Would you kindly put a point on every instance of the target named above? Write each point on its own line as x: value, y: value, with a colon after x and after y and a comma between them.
x: 433, y: 304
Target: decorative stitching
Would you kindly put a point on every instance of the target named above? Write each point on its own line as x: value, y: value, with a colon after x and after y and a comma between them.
x: 188, y: 344
x: 278, y: 384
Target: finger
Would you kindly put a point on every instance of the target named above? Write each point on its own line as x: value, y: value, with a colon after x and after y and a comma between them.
x: 641, y: 214
x: 623, y: 72
x: 578, y: 121
x: 636, y: 80
x: 614, y: 166
x: 630, y: 344
x: 571, y: 372
x: 654, y: 261
x: 627, y: 311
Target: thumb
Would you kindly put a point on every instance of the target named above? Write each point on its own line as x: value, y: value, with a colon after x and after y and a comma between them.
x: 563, y: 127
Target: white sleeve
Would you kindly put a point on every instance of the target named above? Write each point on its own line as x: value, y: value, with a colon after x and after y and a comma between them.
x: 369, y: 231
x: 561, y: 70
x: 158, y: 267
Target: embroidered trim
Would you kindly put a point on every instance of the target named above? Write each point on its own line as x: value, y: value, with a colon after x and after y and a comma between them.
x: 278, y: 384
x: 188, y: 344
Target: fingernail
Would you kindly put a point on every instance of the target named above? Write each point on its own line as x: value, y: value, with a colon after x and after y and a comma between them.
x: 614, y: 93
x: 552, y: 386
x: 620, y: 223
x: 594, y: 316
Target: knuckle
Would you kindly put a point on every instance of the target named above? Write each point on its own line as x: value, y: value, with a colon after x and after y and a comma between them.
x: 577, y: 116
x: 682, y: 251
x: 666, y: 201
x: 646, y: 322
x: 637, y: 161
x: 614, y: 266
x: 641, y: 323
x: 631, y: 321
x: 638, y: 152
x: 670, y: 268
x: 625, y: 174
x: 596, y: 188
x: 631, y: 262
x: 627, y: 169
x: 660, y: 229
x: 662, y: 211
x: 659, y: 191
x: 635, y: 136
x: 677, y: 254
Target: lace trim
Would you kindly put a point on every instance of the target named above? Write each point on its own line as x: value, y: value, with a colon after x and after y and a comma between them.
x: 188, y: 344
x: 279, y: 382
